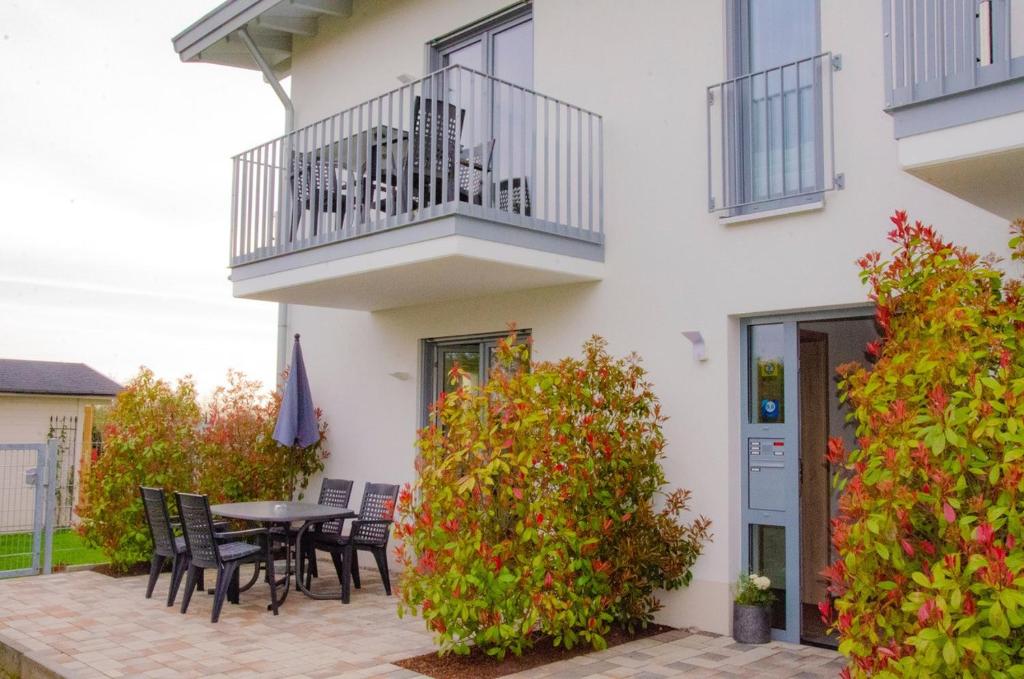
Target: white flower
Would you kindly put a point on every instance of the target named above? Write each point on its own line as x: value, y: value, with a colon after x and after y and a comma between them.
x: 761, y: 582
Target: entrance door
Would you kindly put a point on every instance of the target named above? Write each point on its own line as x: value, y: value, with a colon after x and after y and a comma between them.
x: 771, y: 467
x: 790, y: 408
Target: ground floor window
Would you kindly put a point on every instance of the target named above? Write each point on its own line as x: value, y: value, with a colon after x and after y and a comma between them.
x: 475, y: 354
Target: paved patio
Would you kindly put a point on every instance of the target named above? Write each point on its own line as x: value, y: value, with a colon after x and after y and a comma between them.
x: 85, y: 624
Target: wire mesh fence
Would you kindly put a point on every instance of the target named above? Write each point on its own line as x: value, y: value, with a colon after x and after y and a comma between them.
x: 21, y: 507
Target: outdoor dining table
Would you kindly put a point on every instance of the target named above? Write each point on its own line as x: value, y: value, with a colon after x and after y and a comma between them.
x: 283, y: 513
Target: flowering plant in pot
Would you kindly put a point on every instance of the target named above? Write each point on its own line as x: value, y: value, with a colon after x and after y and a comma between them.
x: 751, y: 612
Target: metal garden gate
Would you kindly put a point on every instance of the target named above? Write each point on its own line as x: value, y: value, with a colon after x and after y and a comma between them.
x: 28, y: 484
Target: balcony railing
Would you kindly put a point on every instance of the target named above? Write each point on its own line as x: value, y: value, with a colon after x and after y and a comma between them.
x: 771, y: 140
x: 935, y: 48
x: 454, y: 142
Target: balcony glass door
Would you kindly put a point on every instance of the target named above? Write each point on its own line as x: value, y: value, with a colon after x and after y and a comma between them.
x: 779, y: 99
x: 499, y: 125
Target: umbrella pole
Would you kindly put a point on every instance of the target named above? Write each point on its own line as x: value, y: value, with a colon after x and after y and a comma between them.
x: 291, y: 465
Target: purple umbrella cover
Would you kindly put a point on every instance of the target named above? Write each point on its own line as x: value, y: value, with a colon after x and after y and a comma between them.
x: 296, y: 421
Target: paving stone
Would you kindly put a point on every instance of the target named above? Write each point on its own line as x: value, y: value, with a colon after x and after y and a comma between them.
x: 87, y: 625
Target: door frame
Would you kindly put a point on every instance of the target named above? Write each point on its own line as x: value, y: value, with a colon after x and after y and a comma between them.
x: 789, y: 431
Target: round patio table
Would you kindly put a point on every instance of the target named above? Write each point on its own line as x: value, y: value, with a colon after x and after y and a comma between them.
x: 284, y: 513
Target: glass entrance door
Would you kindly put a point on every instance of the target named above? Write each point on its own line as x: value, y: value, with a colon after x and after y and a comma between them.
x: 771, y: 467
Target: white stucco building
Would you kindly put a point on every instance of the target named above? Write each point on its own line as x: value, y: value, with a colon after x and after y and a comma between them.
x: 632, y: 169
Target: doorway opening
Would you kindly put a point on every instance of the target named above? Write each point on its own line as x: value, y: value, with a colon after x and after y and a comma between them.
x: 788, y: 417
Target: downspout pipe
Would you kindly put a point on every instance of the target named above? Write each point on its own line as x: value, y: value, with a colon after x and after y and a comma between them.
x: 289, y: 126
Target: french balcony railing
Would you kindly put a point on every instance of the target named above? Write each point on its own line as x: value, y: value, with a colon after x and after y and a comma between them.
x: 937, y: 48
x: 771, y: 137
x: 453, y: 142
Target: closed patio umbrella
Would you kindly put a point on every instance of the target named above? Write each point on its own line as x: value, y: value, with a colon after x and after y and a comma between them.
x: 296, y: 421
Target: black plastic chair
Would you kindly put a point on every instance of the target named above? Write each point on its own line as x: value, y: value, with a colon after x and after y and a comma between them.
x: 224, y: 552
x: 314, y: 185
x: 166, y: 545
x: 333, y: 493
x: 370, y: 533
x: 516, y: 200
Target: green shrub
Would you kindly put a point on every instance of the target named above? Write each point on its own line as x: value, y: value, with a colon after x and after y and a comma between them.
x: 150, y: 438
x: 533, y: 510
x: 159, y: 435
x: 240, y: 460
x: 930, y: 576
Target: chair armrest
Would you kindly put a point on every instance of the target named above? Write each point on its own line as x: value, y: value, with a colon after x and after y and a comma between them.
x: 373, y: 522
x: 235, y: 534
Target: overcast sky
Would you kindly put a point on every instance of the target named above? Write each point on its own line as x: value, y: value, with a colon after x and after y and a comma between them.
x: 115, y: 181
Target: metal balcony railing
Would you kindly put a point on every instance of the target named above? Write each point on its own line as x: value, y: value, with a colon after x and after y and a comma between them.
x: 935, y: 48
x: 455, y: 141
x: 771, y: 138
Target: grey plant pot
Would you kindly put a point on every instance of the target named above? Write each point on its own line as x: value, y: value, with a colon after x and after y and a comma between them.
x: 751, y: 624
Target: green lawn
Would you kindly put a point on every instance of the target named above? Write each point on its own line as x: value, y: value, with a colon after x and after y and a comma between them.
x: 68, y: 550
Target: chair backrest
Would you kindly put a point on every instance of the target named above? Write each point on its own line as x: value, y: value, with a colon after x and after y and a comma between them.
x: 310, y: 173
x: 334, y: 493
x: 378, y: 504
x: 471, y: 177
x: 435, y: 129
x: 518, y: 199
x: 197, y: 524
x: 154, y: 501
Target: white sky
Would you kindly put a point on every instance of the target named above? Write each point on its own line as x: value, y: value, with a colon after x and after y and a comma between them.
x: 115, y: 181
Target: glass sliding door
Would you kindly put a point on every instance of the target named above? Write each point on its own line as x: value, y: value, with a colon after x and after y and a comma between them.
x: 476, y: 356
x: 778, y: 88
x: 500, y: 112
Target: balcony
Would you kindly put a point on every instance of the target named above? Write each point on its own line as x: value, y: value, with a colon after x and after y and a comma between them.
x: 954, y: 84
x: 770, y: 139
x: 458, y: 184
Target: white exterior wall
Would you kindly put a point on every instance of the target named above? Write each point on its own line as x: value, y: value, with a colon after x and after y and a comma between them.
x: 670, y: 266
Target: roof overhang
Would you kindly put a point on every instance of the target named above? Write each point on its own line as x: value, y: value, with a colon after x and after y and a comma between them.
x: 273, y: 24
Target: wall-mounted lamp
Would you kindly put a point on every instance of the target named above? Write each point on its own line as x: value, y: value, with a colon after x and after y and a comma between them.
x: 405, y: 78
x: 400, y: 375
x: 700, y: 350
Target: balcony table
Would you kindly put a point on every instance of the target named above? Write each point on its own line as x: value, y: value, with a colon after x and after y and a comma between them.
x: 283, y: 513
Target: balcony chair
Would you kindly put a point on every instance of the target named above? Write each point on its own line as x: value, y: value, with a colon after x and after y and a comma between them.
x: 314, y: 186
x: 333, y: 493
x: 472, y: 175
x: 224, y: 552
x: 433, y: 130
x: 370, y: 533
x: 518, y: 200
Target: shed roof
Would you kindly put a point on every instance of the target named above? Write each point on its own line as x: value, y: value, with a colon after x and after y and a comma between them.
x: 54, y: 378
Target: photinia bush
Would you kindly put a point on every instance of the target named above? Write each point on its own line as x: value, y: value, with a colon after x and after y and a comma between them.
x: 150, y: 438
x: 930, y: 577
x: 239, y: 458
x: 159, y: 435
x: 533, y: 509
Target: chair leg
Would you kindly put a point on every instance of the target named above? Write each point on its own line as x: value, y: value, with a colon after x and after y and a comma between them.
x: 156, y: 564
x: 338, y: 565
x: 309, y: 556
x: 346, y: 572
x: 381, y: 557
x: 224, y: 577
x: 178, y: 569
x: 194, y: 573
x: 354, y: 567
x: 271, y: 578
